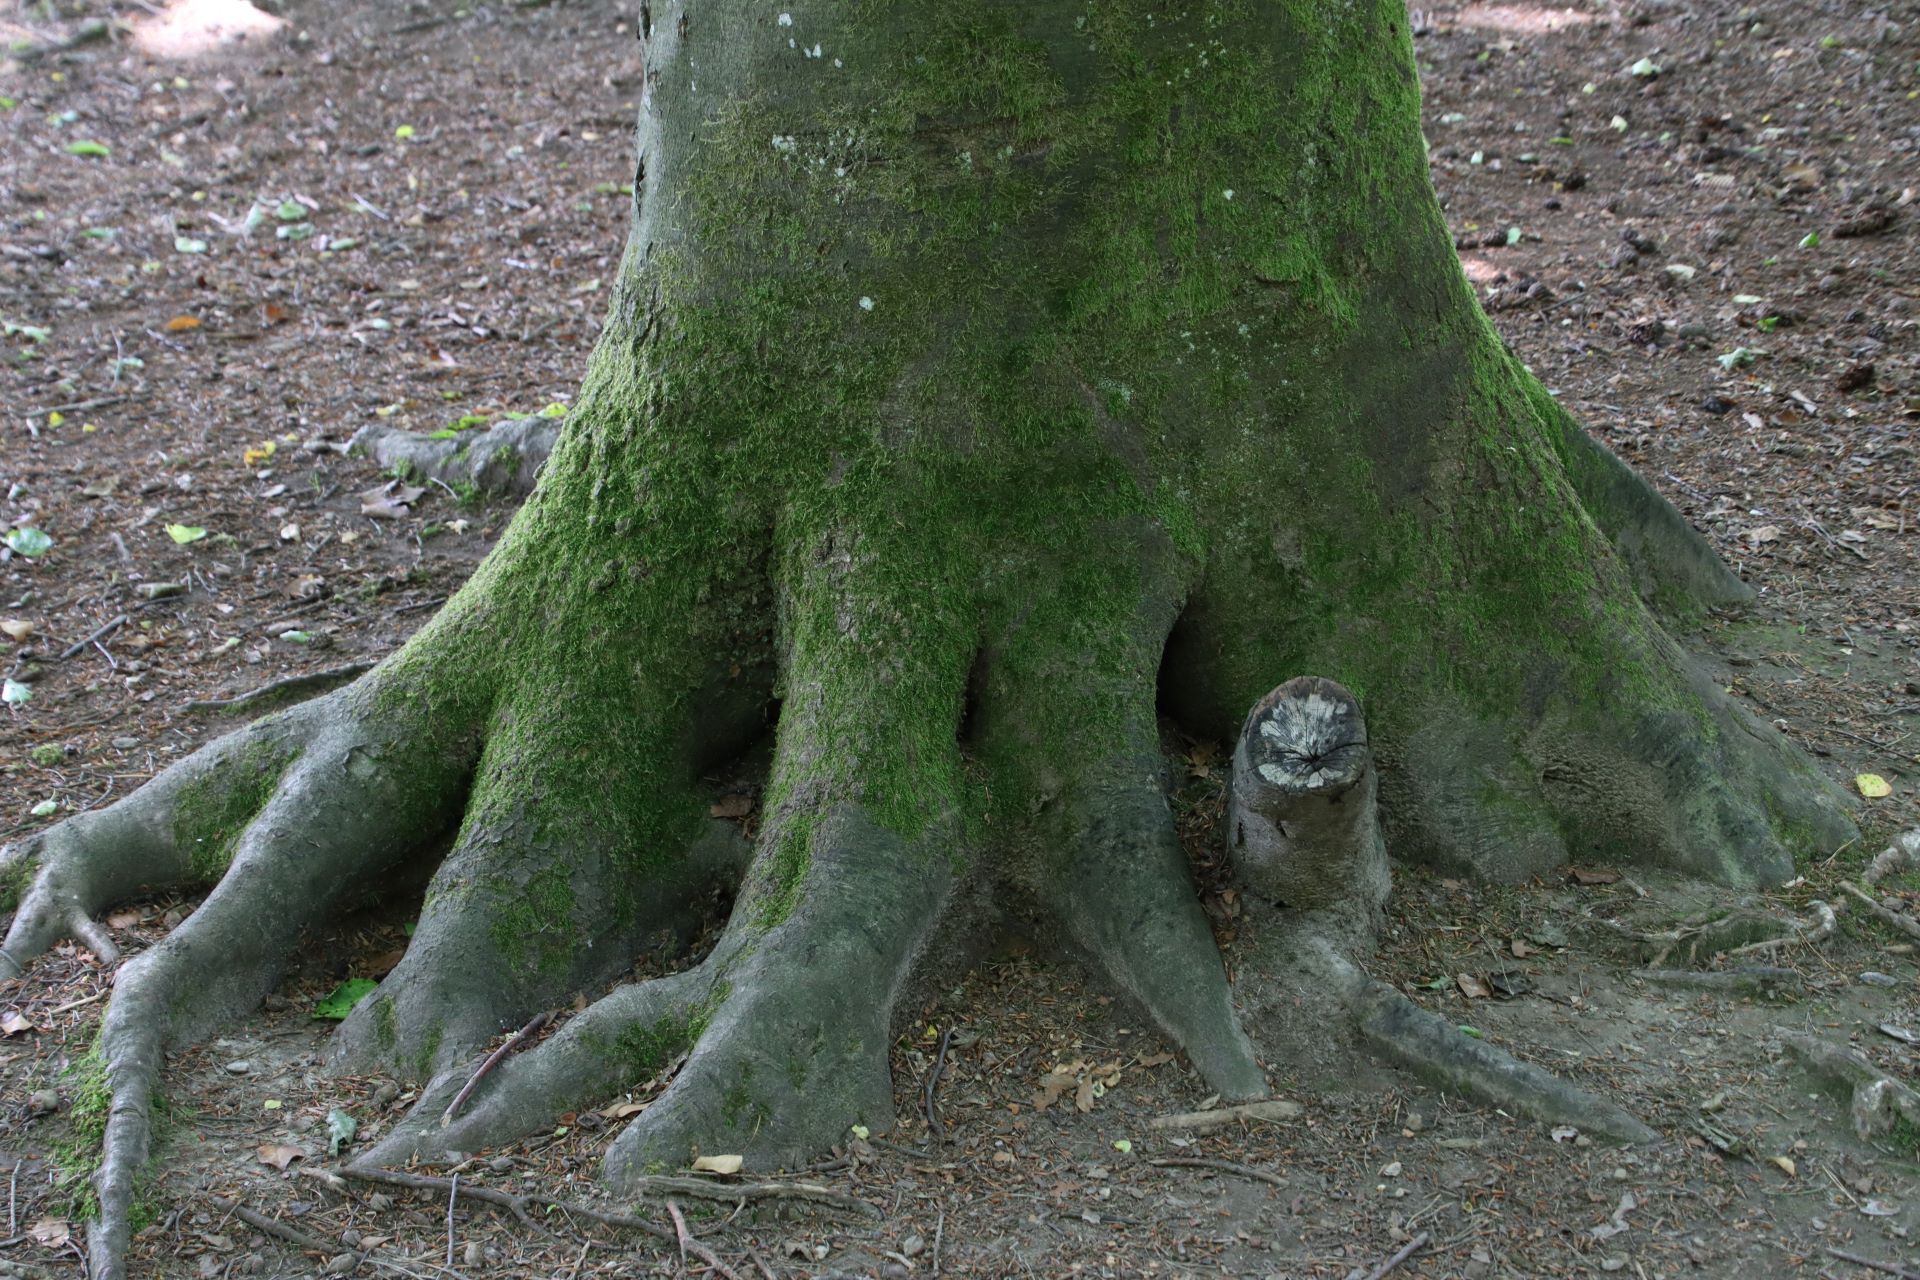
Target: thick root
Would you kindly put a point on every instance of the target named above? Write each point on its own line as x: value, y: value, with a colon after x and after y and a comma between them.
x: 795, y: 1049
x: 505, y: 458
x: 339, y: 814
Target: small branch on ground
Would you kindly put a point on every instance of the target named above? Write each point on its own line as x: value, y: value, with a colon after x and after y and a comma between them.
x: 687, y: 1242
x: 274, y: 1227
x: 516, y: 1205
x: 519, y: 1038
x: 100, y: 632
x: 1748, y: 979
x: 933, y: 1082
x: 312, y: 682
x: 1221, y: 1166
x: 1273, y: 1110
x: 1872, y: 1264
x: 1405, y: 1251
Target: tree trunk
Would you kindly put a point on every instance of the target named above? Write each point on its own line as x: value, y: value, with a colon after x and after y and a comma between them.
x: 984, y: 381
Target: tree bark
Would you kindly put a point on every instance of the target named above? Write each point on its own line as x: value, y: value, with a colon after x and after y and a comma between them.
x: 984, y: 380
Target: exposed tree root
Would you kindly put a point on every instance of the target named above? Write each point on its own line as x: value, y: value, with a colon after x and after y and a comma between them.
x: 1302, y: 829
x: 1876, y: 1102
x: 504, y: 458
x: 1901, y: 855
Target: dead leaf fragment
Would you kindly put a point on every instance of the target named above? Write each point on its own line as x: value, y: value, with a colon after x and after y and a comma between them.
x: 735, y: 806
x: 1590, y: 876
x: 1786, y: 1165
x: 278, y: 1155
x: 16, y: 628
x: 180, y: 324
x: 51, y: 1233
x: 391, y: 501
x: 14, y: 1023
x: 622, y: 1110
x: 718, y: 1164
x: 1471, y: 987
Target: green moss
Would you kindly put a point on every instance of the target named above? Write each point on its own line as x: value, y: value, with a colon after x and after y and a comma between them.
x: 386, y: 1030
x: 644, y: 1048
x: 213, y: 811
x: 429, y: 1052
x: 15, y: 879
x: 76, y: 1155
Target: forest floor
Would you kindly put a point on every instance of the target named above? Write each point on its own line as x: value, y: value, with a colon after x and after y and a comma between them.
x: 1714, y: 264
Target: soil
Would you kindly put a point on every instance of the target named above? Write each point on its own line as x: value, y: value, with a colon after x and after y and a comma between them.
x: 1710, y: 256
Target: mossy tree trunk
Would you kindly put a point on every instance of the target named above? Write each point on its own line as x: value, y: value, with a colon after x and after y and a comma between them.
x: 985, y: 381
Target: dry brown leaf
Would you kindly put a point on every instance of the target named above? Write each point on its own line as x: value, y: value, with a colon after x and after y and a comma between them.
x: 16, y: 628
x: 14, y: 1023
x: 1471, y: 987
x: 1156, y: 1060
x: 51, y: 1233
x: 180, y: 324
x: 735, y: 806
x: 123, y: 919
x: 1593, y: 875
x: 718, y: 1164
x: 1083, y: 1096
x: 278, y: 1155
x: 623, y: 1110
x: 1520, y: 949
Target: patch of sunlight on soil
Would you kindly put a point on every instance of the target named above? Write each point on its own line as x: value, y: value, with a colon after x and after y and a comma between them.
x: 193, y: 28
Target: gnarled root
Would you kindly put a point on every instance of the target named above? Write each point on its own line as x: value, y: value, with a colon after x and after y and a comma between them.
x: 1302, y: 831
x: 504, y: 458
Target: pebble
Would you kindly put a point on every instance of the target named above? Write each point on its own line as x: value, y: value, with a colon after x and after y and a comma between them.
x: 239, y: 1066
x: 913, y: 1246
x: 501, y: 1164
x: 474, y: 1254
x: 1693, y: 329
x: 43, y: 1102
x: 1873, y: 979
x: 343, y: 1264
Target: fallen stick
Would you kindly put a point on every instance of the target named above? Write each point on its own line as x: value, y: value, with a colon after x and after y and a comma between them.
x: 1273, y: 1110
x: 1406, y: 1251
x: 1891, y: 1268
x: 700, y: 1251
x: 516, y: 1205
x: 733, y: 1193
x: 518, y: 1038
x: 316, y: 680
x: 273, y: 1226
x: 100, y: 632
x: 1899, y: 920
x: 1221, y: 1166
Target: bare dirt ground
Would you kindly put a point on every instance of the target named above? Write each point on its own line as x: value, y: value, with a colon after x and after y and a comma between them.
x: 218, y: 260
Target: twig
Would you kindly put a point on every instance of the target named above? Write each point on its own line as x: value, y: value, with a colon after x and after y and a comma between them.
x: 516, y: 1205
x: 1899, y: 920
x: 75, y: 1004
x: 307, y: 680
x: 519, y: 1038
x: 939, y: 1230
x: 98, y: 402
x: 687, y: 1242
x: 99, y: 633
x: 453, y: 1192
x: 272, y: 1226
x: 933, y: 1082
x: 730, y: 1193
x: 1221, y: 1166
x: 1891, y: 1268
x: 1407, y: 1250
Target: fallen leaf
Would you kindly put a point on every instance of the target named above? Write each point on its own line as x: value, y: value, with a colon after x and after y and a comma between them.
x: 1520, y: 949
x: 16, y: 629
x: 1872, y: 785
x: 123, y: 919
x: 1593, y: 875
x: 1786, y: 1165
x: 278, y: 1155
x: 718, y: 1164
x: 1471, y: 987
x: 735, y: 806
x: 180, y: 324
x: 340, y: 1001
x: 14, y: 1023
x: 185, y: 533
x: 51, y: 1233
x: 622, y: 1110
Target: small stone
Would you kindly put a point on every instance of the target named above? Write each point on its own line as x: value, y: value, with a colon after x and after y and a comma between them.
x: 125, y: 744
x: 239, y: 1067
x: 1693, y: 329
x: 43, y: 1102
x: 1391, y: 1171
x: 1716, y: 405
x: 895, y: 1271
x: 474, y: 1255
x: 1416, y: 1121
x: 913, y: 1246
x: 379, y: 1202
x: 1620, y: 1174
x: 501, y: 1164
x: 1873, y: 979
x: 172, y: 919
x: 350, y: 1238
x: 343, y: 1264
